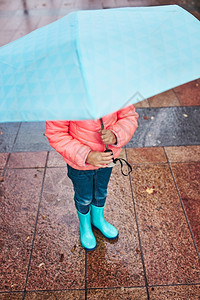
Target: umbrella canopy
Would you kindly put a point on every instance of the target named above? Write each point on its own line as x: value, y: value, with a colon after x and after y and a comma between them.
x: 91, y: 63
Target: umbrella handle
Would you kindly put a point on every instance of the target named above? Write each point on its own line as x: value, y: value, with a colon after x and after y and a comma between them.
x: 102, y: 127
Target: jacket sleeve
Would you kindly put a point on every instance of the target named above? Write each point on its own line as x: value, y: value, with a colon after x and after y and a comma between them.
x: 57, y: 132
x: 126, y: 125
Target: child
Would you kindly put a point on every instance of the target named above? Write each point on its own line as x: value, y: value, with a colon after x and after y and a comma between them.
x: 82, y: 145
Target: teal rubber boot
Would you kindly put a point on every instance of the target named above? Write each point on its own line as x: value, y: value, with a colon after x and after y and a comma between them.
x: 87, y: 237
x: 100, y: 223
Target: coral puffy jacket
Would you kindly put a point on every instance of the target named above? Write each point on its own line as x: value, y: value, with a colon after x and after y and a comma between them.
x: 75, y: 139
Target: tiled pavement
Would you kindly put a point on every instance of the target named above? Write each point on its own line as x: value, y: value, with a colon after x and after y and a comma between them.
x: 156, y: 209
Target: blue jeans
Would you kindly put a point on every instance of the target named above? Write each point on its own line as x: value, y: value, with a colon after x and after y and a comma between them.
x: 90, y: 187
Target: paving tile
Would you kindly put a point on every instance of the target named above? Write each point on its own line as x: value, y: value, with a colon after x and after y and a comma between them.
x: 3, y: 159
x: 11, y: 296
x: 108, y: 3
x: 165, y: 99
x: 143, y: 2
x: 31, y: 138
x: 9, y: 128
x: 188, y: 93
x: 183, y: 292
x: 169, y: 253
x: 9, y: 5
x: 8, y: 135
x: 58, y: 295
x: 27, y: 160
x: 38, y: 4
x: 143, y: 103
x: 58, y: 260
x: 13, y: 23
x: 19, y: 195
x: 30, y: 127
x: 6, y: 36
x: 183, y: 153
x: 117, y: 263
x: 7, y: 142
x: 146, y: 155
x: 167, y: 126
x: 121, y: 293
x: 55, y: 160
x: 187, y: 177
x: 88, y: 4
x: 31, y: 142
x: 28, y: 24
x: 3, y: 20
x: 45, y: 20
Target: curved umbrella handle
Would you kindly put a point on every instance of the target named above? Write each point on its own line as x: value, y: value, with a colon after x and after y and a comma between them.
x: 102, y: 127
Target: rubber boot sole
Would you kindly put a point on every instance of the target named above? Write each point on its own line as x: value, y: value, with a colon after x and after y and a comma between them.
x: 103, y: 234
x: 89, y: 249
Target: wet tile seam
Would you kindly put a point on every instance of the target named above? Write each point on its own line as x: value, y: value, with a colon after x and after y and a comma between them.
x: 174, y: 284
x: 138, y: 232
x: 143, y: 286
x: 182, y: 205
x: 10, y: 292
x: 102, y: 288
x: 158, y: 146
x: 176, y: 96
x: 34, y: 168
x: 166, y: 163
x: 34, y: 233
x: 5, y: 167
x: 16, y: 137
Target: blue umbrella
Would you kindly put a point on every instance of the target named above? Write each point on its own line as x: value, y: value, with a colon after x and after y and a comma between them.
x: 91, y: 63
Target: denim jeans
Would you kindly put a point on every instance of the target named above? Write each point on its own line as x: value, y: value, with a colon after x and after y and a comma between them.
x: 90, y: 187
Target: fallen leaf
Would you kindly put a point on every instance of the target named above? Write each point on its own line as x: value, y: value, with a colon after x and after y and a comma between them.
x: 44, y: 4
x: 35, y: 175
x: 28, y: 238
x: 39, y: 170
x: 138, y: 251
x: 40, y: 265
x: 44, y: 217
x: 1, y: 178
x: 145, y: 118
x: 149, y: 190
x: 73, y: 248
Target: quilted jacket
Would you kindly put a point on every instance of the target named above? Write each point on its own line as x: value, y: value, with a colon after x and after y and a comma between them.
x: 75, y: 139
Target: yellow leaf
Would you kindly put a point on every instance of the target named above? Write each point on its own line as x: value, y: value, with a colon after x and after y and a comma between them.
x: 149, y: 190
x: 28, y: 237
x: 40, y: 265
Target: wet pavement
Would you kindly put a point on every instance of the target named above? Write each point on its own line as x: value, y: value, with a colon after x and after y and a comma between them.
x: 156, y: 209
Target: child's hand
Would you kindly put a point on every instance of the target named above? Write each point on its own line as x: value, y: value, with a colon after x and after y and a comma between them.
x: 108, y: 137
x: 99, y: 159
